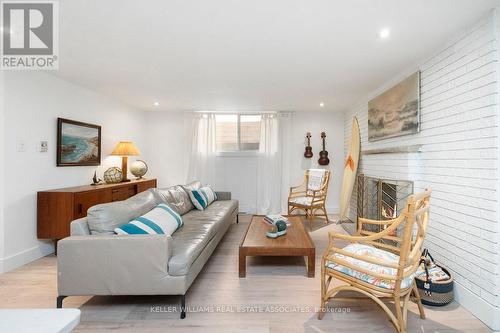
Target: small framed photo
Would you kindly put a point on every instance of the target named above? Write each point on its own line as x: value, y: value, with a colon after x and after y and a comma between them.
x: 78, y: 143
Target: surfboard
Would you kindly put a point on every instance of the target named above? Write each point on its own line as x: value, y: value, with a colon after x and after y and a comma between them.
x: 350, y: 169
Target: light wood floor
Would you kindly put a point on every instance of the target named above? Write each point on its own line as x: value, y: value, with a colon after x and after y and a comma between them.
x: 281, y: 283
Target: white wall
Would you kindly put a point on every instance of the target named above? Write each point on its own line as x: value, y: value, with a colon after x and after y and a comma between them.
x: 238, y: 174
x: 166, y: 146
x: 330, y: 122
x: 2, y: 162
x: 33, y: 101
x: 459, y: 133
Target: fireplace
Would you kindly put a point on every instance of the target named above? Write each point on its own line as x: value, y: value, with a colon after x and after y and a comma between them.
x: 381, y: 199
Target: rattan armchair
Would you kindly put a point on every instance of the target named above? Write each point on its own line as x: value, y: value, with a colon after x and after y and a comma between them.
x: 310, y: 198
x: 380, y: 264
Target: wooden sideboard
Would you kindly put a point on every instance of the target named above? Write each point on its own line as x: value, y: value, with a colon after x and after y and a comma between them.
x: 57, y: 208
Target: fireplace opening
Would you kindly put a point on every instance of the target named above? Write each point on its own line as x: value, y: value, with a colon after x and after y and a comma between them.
x: 381, y: 199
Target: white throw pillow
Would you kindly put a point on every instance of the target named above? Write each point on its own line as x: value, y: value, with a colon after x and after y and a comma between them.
x: 202, y: 197
x: 160, y: 220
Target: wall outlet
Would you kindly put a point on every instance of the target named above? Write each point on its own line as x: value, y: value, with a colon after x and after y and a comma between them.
x: 43, y: 147
x: 21, y: 146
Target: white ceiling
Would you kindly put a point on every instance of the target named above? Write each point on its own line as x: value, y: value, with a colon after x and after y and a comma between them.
x: 251, y: 55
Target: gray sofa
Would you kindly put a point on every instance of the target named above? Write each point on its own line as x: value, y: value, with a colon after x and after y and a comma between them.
x: 95, y: 261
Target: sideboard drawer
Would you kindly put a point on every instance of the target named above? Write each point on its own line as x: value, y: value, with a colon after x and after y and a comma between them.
x: 145, y: 185
x: 85, y: 200
x: 122, y: 193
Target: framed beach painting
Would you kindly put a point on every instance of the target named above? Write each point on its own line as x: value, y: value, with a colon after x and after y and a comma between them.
x: 78, y: 144
x: 395, y: 112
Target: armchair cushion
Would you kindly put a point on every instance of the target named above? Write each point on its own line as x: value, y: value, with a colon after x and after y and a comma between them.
x: 374, y: 253
x: 306, y: 201
x: 316, y: 179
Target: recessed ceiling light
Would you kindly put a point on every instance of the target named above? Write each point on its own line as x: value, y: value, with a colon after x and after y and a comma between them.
x: 156, y: 103
x: 321, y: 104
x: 384, y: 33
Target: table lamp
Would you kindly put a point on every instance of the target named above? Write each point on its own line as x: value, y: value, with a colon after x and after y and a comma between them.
x: 125, y: 149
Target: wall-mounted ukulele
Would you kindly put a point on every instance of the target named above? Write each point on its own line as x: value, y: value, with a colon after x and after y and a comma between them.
x: 323, y: 155
x: 309, y: 151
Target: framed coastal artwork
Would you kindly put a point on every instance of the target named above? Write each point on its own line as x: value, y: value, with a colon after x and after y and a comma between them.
x: 395, y: 112
x: 78, y: 144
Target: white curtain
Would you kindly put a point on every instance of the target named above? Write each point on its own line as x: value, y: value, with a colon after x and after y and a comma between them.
x: 201, y: 160
x: 272, y: 164
x: 285, y: 140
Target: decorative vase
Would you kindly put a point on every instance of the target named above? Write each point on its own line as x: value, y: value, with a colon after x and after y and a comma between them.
x: 113, y: 175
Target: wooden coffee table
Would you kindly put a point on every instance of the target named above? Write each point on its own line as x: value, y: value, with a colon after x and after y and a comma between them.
x: 295, y: 243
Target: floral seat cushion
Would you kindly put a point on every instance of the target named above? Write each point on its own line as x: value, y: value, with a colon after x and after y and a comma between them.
x: 306, y: 201
x: 374, y: 253
x: 316, y: 179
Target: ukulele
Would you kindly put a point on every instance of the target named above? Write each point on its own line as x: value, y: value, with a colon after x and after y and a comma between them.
x: 309, y: 151
x: 323, y: 155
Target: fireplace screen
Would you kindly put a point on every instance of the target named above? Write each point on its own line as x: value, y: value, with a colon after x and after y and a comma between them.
x: 381, y: 199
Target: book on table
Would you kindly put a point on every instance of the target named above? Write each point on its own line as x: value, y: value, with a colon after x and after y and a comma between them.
x: 273, y: 218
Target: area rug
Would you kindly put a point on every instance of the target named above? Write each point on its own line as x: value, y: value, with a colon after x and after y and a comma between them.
x: 319, y: 222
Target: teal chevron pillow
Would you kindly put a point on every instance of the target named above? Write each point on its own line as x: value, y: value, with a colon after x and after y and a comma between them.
x: 160, y: 220
x: 202, y: 197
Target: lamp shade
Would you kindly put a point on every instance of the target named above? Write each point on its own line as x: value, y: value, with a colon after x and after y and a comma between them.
x: 125, y: 148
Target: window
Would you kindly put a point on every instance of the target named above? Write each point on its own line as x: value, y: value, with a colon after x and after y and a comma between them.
x: 237, y: 132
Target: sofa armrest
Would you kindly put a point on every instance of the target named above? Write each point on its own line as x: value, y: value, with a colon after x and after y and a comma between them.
x: 111, y: 264
x: 223, y: 195
x: 79, y: 227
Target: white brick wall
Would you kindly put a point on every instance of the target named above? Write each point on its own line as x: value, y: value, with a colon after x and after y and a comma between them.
x: 459, y: 133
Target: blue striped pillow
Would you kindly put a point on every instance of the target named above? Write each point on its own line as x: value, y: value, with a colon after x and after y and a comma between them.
x: 202, y: 197
x: 160, y: 220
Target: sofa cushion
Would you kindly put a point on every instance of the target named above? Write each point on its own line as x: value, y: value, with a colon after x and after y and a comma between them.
x: 202, y: 197
x: 160, y: 220
x: 104, y: 218
x: 198, y: 230
x: 176, y: 197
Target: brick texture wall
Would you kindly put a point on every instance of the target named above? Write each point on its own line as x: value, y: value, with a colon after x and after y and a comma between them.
x: 459, y: 134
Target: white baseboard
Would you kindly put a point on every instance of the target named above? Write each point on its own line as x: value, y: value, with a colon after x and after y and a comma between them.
x: 22, y: 258
x: 487, y: 313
